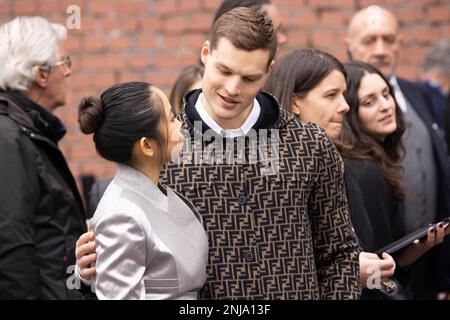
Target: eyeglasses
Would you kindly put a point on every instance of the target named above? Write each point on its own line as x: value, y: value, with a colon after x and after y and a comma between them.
x: 66, y: 60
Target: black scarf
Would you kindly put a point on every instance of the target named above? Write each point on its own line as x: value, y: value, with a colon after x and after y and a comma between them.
x: 44, y: 121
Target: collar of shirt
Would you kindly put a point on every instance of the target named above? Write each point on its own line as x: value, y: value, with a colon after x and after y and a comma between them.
x: 401, y: 101
x: 229, y: 133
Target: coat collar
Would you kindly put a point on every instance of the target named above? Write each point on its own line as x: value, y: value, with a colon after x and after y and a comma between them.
x: 272, y: 115
x: 130, y: 178
x: 29, y: 114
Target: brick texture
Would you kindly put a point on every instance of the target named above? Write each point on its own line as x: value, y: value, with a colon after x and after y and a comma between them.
x: 152, y: 40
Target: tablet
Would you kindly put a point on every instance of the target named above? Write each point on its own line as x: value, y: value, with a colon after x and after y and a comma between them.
x: 401, y: 243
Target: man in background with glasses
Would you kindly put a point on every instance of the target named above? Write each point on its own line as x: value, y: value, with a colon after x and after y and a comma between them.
x: 41, y: 212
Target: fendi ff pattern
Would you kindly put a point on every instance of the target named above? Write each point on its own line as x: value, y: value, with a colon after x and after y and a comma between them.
x: 281, y: 236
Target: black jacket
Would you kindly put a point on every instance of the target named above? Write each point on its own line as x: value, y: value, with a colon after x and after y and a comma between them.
x: 41, y: 212
x: 384, y: 213
x: 358, y: 213
x: 436, y: 263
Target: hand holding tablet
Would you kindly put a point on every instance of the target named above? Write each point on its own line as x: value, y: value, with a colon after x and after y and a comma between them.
x: 419, y: 235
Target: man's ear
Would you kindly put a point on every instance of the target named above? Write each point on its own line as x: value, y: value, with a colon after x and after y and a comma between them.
x: 269, y: 68
x: 400, y: 39
x: 348, y: 43
x: 206, y: 50
x: 41, y: 77
x: 146, y: 147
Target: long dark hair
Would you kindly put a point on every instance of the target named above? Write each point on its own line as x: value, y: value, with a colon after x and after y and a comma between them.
x: 386, y: 154
x: 298, y: 72
x: 122, y: 115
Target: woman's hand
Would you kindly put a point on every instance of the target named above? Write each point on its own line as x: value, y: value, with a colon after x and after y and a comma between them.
x: 412, y: 252
x: 370, y: 263
x: 85, y: 253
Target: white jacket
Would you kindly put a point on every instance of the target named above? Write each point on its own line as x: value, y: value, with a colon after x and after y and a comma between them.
x: 149, y: 245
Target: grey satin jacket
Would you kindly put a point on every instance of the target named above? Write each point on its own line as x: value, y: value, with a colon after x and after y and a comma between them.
x: 149, y: 245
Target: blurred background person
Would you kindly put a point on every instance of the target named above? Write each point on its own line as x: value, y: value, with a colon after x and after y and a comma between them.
x: 41, y: 211
x: 189, y: 79
x: 435, y: 79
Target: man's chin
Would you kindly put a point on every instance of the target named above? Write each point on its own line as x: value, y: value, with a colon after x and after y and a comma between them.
x: 386, y: 70
x: 61, y: 104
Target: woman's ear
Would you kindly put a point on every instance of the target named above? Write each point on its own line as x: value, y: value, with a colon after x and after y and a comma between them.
x: 147, y: 147
x: 295, y: 105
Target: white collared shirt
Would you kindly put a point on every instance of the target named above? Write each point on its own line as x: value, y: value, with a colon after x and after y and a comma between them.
x: 229, y: 133
x: 401, y: 100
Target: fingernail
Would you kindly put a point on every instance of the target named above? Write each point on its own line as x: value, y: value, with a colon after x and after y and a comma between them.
x: 432, y: 230
x: 440, y: 225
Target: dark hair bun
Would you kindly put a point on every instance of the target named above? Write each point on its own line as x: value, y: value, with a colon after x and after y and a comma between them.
x: 90, y: 114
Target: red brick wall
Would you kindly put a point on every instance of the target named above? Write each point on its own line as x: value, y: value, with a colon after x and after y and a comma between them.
x: 152, y: 40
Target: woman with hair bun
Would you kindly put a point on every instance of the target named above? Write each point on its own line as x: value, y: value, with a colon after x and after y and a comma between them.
x: 149, y: 240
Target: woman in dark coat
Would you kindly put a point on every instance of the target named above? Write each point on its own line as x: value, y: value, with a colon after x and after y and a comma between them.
x: 373, y: 129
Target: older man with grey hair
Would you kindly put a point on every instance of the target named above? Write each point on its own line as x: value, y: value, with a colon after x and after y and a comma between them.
x: 41, y: 212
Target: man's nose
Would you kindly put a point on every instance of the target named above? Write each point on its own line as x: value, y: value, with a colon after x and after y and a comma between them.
x: 232, y: 86
x: 380, y: 48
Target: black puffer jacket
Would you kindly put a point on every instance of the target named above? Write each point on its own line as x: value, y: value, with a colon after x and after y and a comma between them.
x: 41, y: 212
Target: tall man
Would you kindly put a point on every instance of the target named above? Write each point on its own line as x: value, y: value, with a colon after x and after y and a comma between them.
x: 41, y: 212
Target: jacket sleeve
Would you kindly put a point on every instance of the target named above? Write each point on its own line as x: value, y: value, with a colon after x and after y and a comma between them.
x: 335, y: 243
x: 19, y: 192
x: 358, y: 213
x: 121, y: 256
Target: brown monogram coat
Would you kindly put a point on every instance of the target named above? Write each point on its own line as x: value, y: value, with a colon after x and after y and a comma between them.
x: 273, y: 236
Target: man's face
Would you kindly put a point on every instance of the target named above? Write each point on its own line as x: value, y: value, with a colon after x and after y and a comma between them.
x: 373, y: 38
x: 56, y: 90
x: 231, y: 81
x: 273, y: 14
